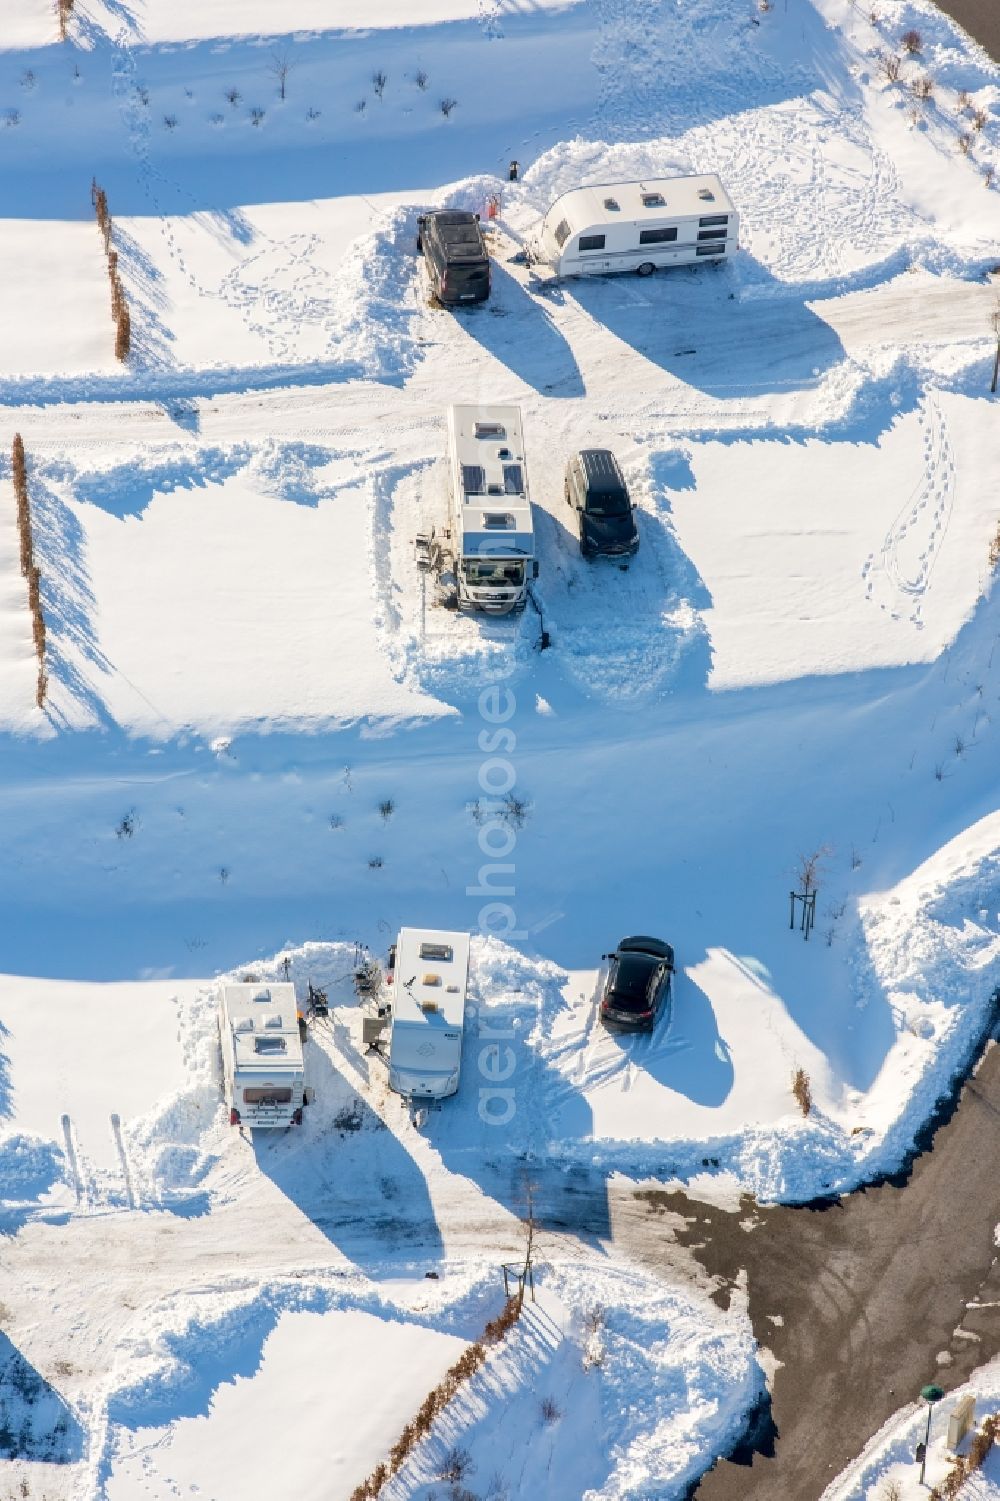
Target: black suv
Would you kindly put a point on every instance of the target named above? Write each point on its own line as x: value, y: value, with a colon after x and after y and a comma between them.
x: 637, y: 987
x: 596, y: 490
x: 455, y: 253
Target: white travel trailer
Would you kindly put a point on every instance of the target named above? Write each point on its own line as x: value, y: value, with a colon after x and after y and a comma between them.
x: 637, y: 226
x: 429, y: 983
x: 262, y: 1066
x: 492, y: 535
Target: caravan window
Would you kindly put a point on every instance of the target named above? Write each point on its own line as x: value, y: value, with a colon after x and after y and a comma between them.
x: 657, y: 236
x: 711, y: 234
x: 592, y: 242
x: 719, y: 248
x: 267, y: 1094
x: 713, y: 219
x: 562, y: 232
x: 473, y: 479
x: 498, y: 521
x: 270, y: 1045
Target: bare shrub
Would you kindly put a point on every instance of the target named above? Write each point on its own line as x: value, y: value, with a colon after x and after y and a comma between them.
x: 28, y: 79
x: 549, y: 1410
x: 379, y: 81
x: 215, y: 118
x: 964, y: 100
x: 447, y: 105
x: 965, y: 143
x: 989, y: 175
x: 995, y: 549
x: 456, y: 1465
x: 280, y: 67
x: 336, y: 822
x: 891, y: 1491
x: 889, y: 66
x: 256, y: 115
x: 361, y: 106
x: 376, y: 862
x: 980, y: 119
x: 127, y: 825
x: 802, y: 1090
x: 312, y: 113
x: 19, y: 471
x: 420, y: 79
x: 386, y: 809
x: 911, y: 41
x: 11, y: 117
x: 233, y: 96
x: 170, y: 122
x: 923, y: 87
x: 810, y: 868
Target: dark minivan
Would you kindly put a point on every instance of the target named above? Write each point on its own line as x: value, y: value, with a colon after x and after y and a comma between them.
x: 455, y: 252
x: 596, y: 489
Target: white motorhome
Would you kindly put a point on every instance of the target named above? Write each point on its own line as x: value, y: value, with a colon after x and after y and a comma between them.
x: 637, y: 226
x: 430, y: 978
x: 263, y: 1071
x: 492, y: 535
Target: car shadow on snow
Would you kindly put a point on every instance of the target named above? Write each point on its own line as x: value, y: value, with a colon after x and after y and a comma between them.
x: 519, y: 331
x: 625, y: 631
x: 685, y: 1052
x: 36, y: 1423
x: 349, y: 1174
x: 730, y: 331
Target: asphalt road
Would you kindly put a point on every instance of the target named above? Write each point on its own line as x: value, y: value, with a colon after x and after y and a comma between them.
x: 857, y: 1300
x: 980, y: 18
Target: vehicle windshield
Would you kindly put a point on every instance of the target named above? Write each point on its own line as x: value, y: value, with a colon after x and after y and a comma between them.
x: 610, y: 503
x: 501, y: 572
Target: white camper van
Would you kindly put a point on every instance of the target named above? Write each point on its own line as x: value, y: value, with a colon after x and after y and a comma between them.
x: 262, y: 1067
x: 637, y: 226
x: 492, y: 535
x: 429, y: 982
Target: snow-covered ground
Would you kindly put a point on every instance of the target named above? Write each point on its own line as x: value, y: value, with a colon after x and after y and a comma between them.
x: 888, y: 1461
x: 261, y: 738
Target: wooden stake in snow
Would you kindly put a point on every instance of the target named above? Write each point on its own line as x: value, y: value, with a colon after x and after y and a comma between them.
x: 995, y: 325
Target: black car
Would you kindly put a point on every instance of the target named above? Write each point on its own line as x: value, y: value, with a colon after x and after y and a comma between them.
x: 637, y: 988
x: 596, y: 489
x: 455, y: 253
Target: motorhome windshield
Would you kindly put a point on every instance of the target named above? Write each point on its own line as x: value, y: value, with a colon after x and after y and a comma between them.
x: 495, y: 571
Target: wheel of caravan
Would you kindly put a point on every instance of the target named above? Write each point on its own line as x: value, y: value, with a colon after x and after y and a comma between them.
x: 646, y: 269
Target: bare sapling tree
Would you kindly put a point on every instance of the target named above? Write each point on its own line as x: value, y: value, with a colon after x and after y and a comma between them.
x: 281, y: 66
x: 810, y: 867
x: 995, y: 326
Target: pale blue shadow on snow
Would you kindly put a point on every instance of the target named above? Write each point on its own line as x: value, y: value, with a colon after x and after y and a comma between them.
x: 324, y: 1172
x: 519, y: 331
x: 36, y: 1423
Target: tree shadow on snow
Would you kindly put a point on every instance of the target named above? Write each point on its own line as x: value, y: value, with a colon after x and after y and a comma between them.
x: 36, y: 1424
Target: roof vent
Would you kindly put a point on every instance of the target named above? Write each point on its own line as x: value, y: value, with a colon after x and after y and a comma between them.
x: 653, y: 200
x: 245, y: 1024
x: 706, y: 194
x: 612, y: 204
x: 274, y: 1021
x: 264, y: 996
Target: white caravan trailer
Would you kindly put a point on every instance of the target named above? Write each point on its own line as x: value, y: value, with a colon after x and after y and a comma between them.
x: 429, y: 982
x: 492, y: 536
x: 262, y: 1068
x: 637, y: 226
